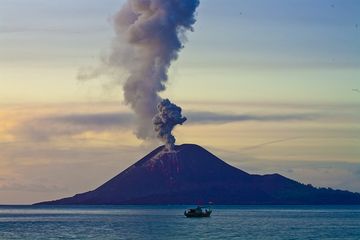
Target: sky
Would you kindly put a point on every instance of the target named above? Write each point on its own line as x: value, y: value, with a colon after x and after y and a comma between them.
x: 268, y: 86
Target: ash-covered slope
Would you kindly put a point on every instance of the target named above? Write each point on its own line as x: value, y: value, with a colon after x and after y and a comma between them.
x: 192, y: 175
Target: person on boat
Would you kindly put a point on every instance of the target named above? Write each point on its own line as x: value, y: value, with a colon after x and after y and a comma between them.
x: 198, y: 209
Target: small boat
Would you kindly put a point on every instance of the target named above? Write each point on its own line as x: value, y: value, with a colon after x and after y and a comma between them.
x: 198, y: 212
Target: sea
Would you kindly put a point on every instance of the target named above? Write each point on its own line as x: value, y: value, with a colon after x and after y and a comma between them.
x: 169, y: 222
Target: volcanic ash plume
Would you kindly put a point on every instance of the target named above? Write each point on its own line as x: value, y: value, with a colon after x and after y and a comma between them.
x: 169, y: 115
x: 149, y: 35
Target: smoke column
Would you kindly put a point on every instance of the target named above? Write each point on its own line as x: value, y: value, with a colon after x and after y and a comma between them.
x: 149, y: 36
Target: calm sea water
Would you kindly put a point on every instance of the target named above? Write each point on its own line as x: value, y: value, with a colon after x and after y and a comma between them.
x: 168, y: 222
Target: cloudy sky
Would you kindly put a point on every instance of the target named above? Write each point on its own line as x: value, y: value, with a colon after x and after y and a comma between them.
x: 268, y: 86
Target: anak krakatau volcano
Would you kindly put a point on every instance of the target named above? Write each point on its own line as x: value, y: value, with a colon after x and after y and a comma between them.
x: 191, y: 175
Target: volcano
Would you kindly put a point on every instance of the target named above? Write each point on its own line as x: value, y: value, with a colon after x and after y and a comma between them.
x: 191, y: 175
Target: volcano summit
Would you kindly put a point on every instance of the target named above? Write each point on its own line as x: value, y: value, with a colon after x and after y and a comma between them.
x: 190, y: 174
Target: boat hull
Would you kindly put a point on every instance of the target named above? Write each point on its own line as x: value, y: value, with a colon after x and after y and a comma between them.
x: 197, y: 215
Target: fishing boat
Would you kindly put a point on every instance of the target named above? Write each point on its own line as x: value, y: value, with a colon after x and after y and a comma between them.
x: 198, y: 212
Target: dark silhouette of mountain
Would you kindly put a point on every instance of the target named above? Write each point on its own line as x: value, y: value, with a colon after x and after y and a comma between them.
x: 192, y: 175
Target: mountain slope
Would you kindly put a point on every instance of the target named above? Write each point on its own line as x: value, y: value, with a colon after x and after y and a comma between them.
x: 191, y: 175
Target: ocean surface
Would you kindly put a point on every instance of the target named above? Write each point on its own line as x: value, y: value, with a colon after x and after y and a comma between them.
x: 168, y: 222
